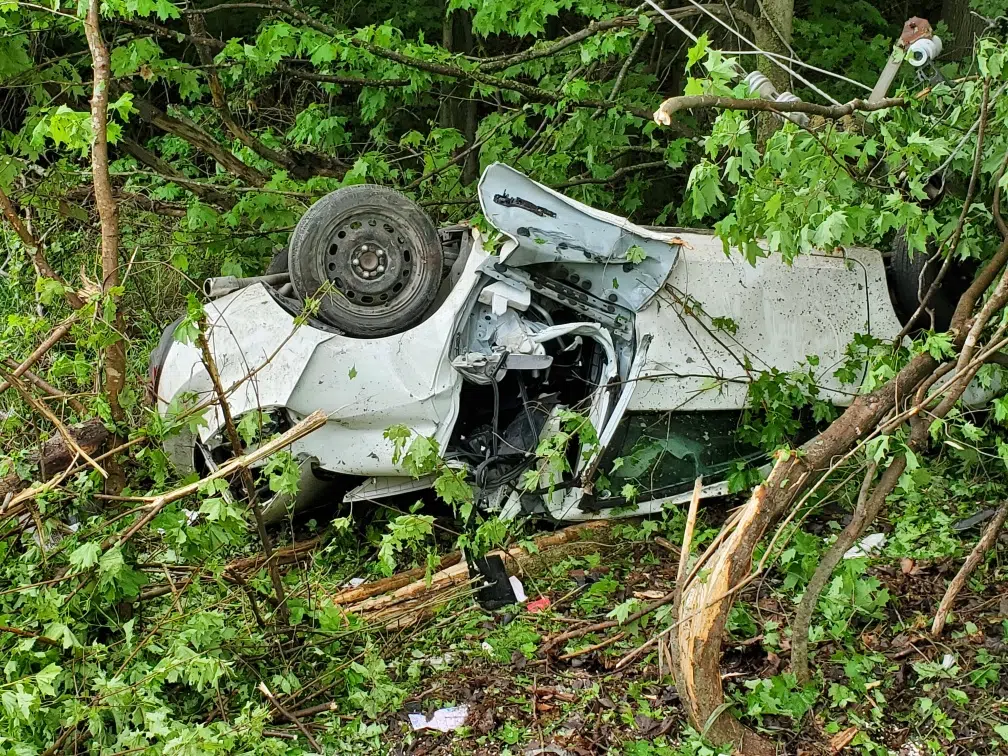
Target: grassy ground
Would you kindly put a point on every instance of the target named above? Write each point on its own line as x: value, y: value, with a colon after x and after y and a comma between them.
x: 881, y: 683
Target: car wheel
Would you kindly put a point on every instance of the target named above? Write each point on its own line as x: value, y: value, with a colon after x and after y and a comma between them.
x: 379, y: 252
x: 913, y: 277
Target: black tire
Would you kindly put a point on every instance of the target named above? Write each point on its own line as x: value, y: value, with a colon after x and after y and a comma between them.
x: 912, y: 279
x: 380, y: 252
x: 279, y: 263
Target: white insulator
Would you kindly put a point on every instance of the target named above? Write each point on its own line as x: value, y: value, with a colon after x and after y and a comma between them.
x: 799, y: 118
x: 760, y: 85
x: 923, y: 51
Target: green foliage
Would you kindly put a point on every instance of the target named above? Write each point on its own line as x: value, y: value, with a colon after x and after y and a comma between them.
x: 149, y: 645
x: 780, y: 695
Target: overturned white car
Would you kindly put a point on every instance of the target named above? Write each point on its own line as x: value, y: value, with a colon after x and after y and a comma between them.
x: 655, y: 335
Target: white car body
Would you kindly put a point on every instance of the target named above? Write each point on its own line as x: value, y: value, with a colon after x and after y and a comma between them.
x: 650, y: 324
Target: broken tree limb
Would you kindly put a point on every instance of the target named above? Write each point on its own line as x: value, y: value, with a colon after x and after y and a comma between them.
x: 58, y: 333
x: 290, y: 717
x: 312, y: 422
x: 521, y: 559
x: 47, y: 388
x: 51, y: 416
x: 985, y: 543
x: 287, y: 555
x: 198, y: 138
x: 394, y: 582
x: 728, y: 564
x: 671, y: 106
x: 403, y: 603
x: 165, y: 170
x: 864, y: 512
x: 55, y: 455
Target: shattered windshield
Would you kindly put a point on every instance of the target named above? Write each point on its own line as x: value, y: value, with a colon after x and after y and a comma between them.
x: 662, y: 453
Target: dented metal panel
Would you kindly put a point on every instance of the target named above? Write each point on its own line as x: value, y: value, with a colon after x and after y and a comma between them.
x: 719, y: 321
x: 364, y: 385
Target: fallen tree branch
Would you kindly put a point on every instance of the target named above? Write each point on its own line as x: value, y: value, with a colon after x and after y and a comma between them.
x: 287, y: 555
x: 27, y: 634
x: 312, y: 422
x: 727, y: 566
x: 35, y: 252
x: 58, y: 333
x: 55, y: 455
x: 166, y: 171
x: 198, y: 138
x: 290, y: 717
x: 984, y: 545
x: 865, y: 511
x: 396, y: 602
x: 47, y: 388
x: 51, y: 416
x: 671, y: 106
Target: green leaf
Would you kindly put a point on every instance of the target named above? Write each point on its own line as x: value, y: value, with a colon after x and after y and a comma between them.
x: 698, y: 51
x: 832, y: 231
x: 86, y: 555
x: 635, y: 254
x: 705, y: 188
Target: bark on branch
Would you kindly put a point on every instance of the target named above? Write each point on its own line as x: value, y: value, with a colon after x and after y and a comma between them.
x: 56, y: 455
x: 671, y: 106
x: 986, y: 541
x: 317, y: 165
x: 164, y: 169
x: 198, y: 138
x: 728, y: 562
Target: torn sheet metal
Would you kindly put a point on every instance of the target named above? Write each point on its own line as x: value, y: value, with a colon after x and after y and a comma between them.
x: 586, y: 247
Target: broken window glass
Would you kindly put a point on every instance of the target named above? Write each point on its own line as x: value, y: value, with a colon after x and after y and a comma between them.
x: 662, y: 453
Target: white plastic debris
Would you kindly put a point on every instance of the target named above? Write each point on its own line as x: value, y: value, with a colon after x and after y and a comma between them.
x: 443, y: 720
x: 355, y: 582
x: 519, y: 589
x: 487, y: 647
x: 948, y: 661
x: 870, y: 544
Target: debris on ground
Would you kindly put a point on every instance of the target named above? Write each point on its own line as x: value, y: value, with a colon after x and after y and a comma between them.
x: 442, y: 720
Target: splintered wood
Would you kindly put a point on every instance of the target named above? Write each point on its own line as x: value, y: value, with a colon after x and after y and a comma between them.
x: 405, y: 599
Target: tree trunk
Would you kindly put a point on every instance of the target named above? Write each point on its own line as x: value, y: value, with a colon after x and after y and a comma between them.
x: 964, y: 27
x: 773, y: 34
x: 115, y: 353
x: 458, y: 111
